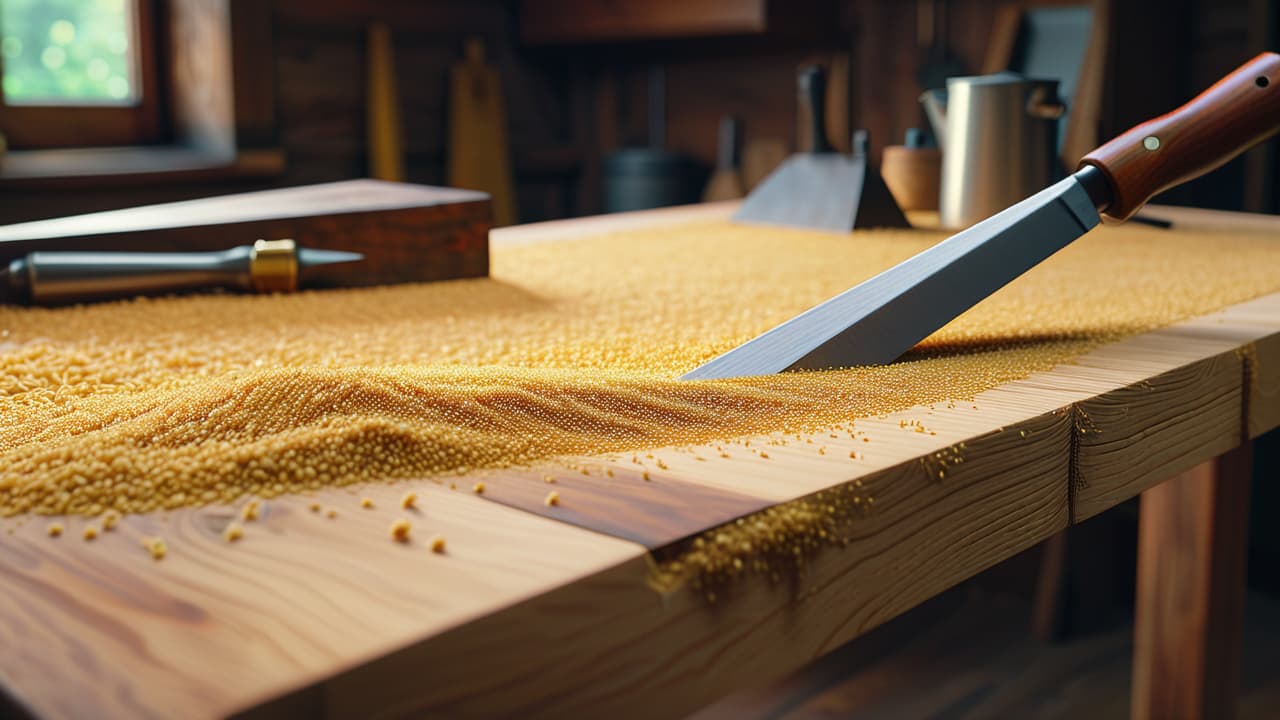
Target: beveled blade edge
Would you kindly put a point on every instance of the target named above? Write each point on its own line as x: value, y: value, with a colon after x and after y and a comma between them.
x: 312, y: 257
x: 878, y: 320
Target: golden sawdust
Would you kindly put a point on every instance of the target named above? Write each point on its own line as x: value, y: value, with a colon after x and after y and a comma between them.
x: 570, y: 348
x: 400, y: 530
x: 774, y: 543
x: 156, y: 546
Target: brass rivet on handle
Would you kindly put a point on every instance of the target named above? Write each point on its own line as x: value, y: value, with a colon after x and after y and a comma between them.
x: 1151, y: 142
x: 273, y: 266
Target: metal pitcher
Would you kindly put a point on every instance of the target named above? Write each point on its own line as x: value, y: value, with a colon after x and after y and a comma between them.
x: 998, y: 135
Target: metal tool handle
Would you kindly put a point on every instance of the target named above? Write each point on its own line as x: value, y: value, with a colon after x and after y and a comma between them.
x: 1239, y: 111
x: 51, y: 278
x: 812, y: 120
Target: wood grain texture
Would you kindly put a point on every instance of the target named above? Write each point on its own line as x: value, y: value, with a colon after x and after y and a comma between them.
x: 654, y: 512
x: 216, y: 626
x: 529, y: 615
x: 1192, y: 544
x: 635, y: 654
x: 407, y: 232
x: 1136, y: 436
x: 1233, y: 115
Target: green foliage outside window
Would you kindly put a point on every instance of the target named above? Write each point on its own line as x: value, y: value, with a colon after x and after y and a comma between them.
x: 67, y: 51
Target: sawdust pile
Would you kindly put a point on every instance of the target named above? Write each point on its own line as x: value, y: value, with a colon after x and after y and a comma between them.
x: 569, y: 348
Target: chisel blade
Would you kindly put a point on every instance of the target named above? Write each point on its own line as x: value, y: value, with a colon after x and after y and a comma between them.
x: 880, y: 319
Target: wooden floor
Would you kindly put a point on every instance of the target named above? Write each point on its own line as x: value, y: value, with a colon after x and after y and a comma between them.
x: 968, y: 654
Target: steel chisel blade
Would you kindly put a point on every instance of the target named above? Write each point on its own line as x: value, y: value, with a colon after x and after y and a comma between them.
x: 877, y: 321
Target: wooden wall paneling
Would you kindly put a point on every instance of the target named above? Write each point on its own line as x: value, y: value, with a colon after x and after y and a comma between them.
x: 321, y: 99
x: 422, y: 64
x: 253, y: 73
x: 760, y: 90
x: 885, y: 94
x: 202, y: 91
x: 571, y: 21
x: 445, y: 17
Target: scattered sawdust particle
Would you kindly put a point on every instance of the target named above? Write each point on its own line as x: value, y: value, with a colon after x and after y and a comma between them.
x: 400, y: 530
x: 156, y: 546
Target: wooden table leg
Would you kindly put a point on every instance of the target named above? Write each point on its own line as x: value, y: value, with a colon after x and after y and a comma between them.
x: 1188, y: 630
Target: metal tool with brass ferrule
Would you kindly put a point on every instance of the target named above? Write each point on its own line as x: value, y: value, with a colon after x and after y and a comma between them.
x: 61, y: 278
x: 879, y: 320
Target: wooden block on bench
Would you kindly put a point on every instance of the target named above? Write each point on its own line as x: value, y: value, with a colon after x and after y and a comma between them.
x: 408, y: 233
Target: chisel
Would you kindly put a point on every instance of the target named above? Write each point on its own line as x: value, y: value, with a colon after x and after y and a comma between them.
x: 880, y: 319
x: 65, y: 277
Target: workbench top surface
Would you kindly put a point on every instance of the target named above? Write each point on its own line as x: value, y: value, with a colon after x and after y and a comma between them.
x: 549, y: 610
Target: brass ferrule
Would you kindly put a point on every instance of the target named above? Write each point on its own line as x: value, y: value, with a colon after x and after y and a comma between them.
x: 273, y: 266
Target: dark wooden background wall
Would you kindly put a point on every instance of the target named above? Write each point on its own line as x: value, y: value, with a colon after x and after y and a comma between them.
x: 570, y: 104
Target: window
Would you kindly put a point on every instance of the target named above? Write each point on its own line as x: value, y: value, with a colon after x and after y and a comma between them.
x: 78, y: 73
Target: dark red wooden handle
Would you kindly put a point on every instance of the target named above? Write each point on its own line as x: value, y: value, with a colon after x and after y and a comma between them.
x: 1239, y: 111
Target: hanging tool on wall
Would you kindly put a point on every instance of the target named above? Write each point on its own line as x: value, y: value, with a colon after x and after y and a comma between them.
x: 479, y: 155
x: 818, y: 187
x: 383, y: 124
x: 726, y: 181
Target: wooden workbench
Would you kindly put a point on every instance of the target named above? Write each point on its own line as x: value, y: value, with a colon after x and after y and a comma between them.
x: 544, y: 611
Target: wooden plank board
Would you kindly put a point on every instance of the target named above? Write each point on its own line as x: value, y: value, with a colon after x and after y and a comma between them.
x: 532, y: 615
x: 560, y: 21
x: 635, y: 654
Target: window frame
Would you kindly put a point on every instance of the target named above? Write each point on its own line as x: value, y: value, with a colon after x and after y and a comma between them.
x: 69, y: 125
